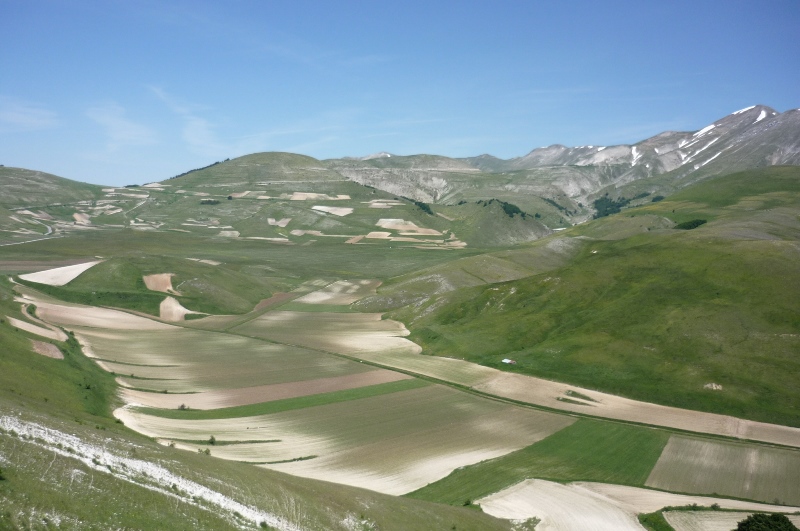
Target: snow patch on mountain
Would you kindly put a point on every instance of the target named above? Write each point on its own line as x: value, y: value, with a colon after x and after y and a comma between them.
x: 740, y: 111
x: 704, y: 130
x: 636, y: 155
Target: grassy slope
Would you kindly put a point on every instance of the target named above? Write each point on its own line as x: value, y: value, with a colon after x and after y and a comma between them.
x: 27, y: 188
x: 589, y: 450
x: 40, y: 485
x: 658, y: 315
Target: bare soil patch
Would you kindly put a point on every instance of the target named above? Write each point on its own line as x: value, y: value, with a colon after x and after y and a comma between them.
x: 559, y: 507
x: 160, y: 282
x: 336, y: 211
x: 601, y: 506
x: 276, y: 299
x: 50, y: 333
x: 172, y: 310
x: 306, y: 196
x: 103, y: 318
x: 59, y: 276
x: 406, y: 228
x: 81, y: 218
x: 47, y: 349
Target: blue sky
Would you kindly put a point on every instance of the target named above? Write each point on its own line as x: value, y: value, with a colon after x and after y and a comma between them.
x: 117, y: 92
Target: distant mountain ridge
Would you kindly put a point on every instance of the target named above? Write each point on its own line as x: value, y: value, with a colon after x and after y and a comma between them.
x: 665, y: 151
x: 749, y: 138
x: 558, y: 182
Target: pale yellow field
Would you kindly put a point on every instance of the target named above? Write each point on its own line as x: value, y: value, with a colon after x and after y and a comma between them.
x: 600, y: 506
x: 59, y: 275
x: 74, y: 315
x: 392, y: 443
x: 172, y: 310
x: 753, y: 472
x: 559, y: 507
x: 49, y: 333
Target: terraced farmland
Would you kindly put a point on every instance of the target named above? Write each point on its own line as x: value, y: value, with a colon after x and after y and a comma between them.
x: 298, y: 409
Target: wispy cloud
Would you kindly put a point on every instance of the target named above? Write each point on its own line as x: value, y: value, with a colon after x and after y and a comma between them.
x: 17, y: 115
x: 201, y: 137
x: 198, y: 133
x: 120, y: 131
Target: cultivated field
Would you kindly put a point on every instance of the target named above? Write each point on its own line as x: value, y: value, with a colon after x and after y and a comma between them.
x: 60, y: 275
x: 730, y: 469
x: 560, y: 507
x: 710, y: 520
x: 306, y: 412
x: 343, y: 333
x: 599, y: 506
x: 428, y: 432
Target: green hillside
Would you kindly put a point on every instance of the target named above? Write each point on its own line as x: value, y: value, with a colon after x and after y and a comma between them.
x: 256, y: 168
x: 26, y: 188
x: 660, y: 314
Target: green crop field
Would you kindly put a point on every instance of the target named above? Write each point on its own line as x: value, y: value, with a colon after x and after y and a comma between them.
x: 588, y: 450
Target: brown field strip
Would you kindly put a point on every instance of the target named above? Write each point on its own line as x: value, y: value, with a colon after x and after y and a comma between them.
x: 263, y: 393
x: 730, y: 469
x: 160, y: 282
x: 47, y: 349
